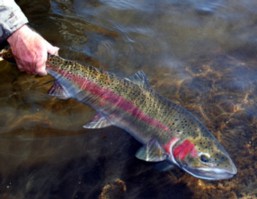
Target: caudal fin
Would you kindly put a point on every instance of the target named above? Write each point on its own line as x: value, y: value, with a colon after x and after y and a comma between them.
x: 6, y: 54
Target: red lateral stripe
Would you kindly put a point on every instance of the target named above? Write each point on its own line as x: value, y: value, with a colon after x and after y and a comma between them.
x: 105, y: 94
x: 184, y: 149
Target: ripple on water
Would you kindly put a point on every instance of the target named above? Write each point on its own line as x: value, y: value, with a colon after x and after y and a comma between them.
x: 199, y: 54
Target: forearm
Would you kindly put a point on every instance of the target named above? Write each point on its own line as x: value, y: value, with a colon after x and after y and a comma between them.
x: 11, y: 18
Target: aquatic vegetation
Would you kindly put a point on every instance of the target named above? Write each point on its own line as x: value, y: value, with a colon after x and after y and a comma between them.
x: 204, y: 60
x: 115, y: 189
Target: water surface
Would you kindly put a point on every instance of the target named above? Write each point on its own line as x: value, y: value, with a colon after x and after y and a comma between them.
x: 200, y: 54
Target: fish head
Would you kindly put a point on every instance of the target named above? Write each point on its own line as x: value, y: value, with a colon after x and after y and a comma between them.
x: 204, y: 158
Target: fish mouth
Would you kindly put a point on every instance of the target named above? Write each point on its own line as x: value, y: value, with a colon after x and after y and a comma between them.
x: 212, y: 173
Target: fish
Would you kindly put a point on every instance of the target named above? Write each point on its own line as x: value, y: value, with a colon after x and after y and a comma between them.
x: 168, y: 132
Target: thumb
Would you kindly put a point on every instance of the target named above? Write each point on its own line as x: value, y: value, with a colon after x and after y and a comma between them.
x: 53, y: 50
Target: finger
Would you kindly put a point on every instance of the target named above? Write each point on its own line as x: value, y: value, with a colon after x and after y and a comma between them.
x: 27, y: 70
x: 25, y: 66
x: 41, y: 65
x: 41, y: 71
x: 20, y: 67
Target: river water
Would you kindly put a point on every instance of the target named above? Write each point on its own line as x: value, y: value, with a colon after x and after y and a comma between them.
x: 200, y: 54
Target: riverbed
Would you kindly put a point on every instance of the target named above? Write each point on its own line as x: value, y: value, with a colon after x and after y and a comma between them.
x: 199, y: 54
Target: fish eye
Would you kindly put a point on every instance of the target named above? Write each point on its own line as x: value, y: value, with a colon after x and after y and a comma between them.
x: 205, y: 158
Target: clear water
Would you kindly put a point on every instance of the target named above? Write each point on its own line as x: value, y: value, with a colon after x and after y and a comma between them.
x: 200, y: 54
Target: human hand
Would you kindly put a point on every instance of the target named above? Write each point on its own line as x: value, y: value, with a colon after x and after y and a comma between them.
x: 30, y: 50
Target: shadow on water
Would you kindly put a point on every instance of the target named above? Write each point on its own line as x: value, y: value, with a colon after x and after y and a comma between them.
x: 200, y: 54
x: 73, y: 167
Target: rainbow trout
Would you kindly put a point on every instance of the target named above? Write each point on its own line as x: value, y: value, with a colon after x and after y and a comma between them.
x: 168, y: 132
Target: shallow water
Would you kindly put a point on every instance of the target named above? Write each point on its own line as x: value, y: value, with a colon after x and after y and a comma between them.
x: 200, y: 54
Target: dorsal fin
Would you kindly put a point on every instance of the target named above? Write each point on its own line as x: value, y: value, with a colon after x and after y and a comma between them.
x: 140, y: 79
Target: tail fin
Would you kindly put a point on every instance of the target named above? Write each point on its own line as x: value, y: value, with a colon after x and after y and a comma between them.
x: 6, y: 54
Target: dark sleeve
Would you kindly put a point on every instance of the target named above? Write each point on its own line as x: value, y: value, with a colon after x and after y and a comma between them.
x: 11, y: 18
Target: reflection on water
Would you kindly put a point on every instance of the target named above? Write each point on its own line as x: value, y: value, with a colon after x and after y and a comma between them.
x: 200, y: 54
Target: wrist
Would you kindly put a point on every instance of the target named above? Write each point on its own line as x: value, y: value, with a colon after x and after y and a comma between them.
x: 23, y: 30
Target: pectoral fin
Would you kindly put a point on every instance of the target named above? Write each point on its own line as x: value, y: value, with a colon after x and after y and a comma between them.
x: 151, y: 152
x: 59, y: 91
x: 98, y: 122
x: 164, y: 166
